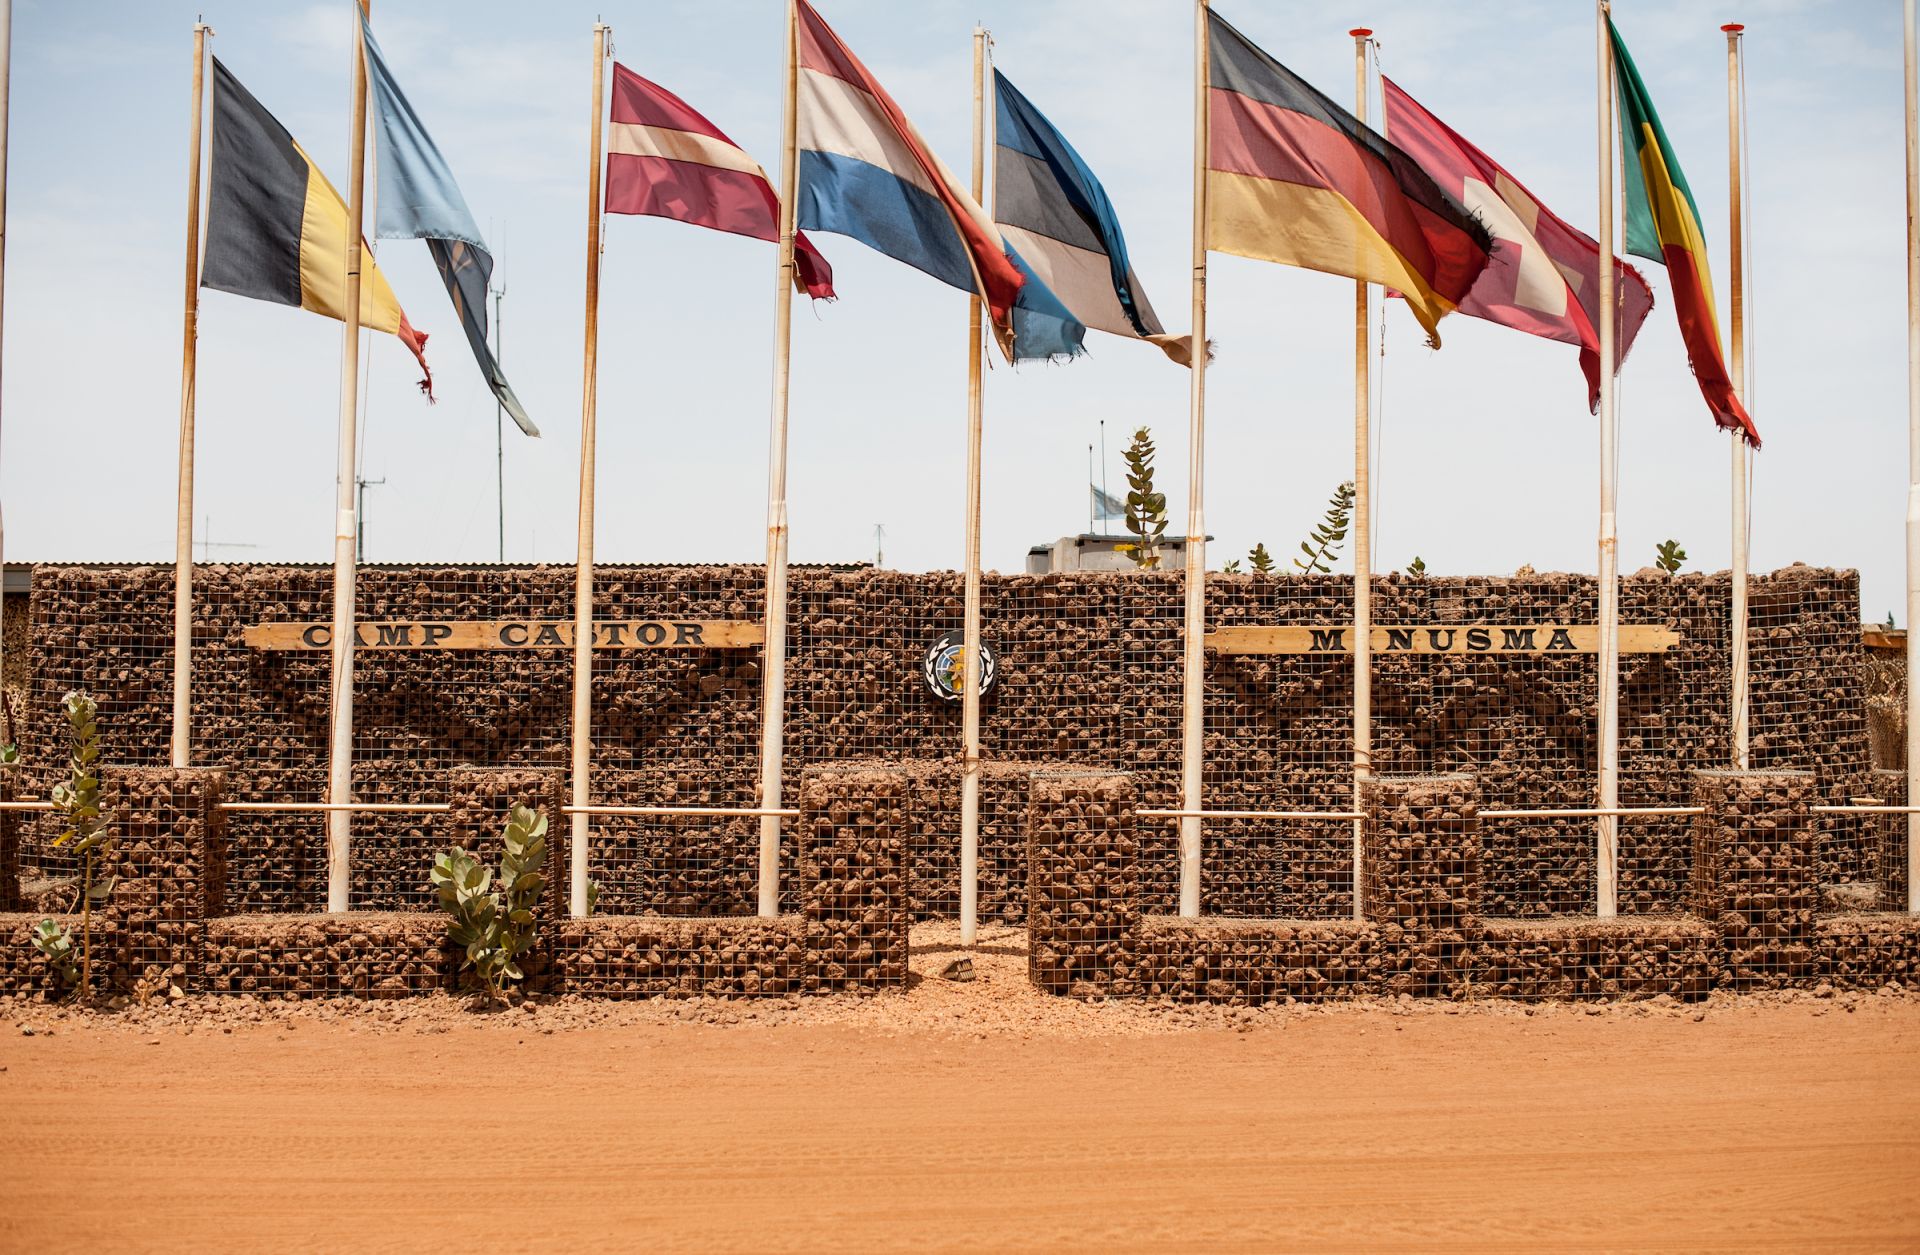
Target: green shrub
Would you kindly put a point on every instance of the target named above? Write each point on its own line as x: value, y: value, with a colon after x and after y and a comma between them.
x: 495, y: 926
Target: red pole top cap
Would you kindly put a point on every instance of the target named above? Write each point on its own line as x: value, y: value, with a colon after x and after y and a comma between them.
x: 1360, y: 32
x: 1733, y: 28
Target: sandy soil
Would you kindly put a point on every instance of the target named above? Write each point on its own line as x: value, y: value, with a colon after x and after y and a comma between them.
x: 980, y: 1115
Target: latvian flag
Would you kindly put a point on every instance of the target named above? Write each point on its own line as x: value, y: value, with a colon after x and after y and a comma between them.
x: 666, y: 160
x: 1294, y: 178
x: 865, y: 172
x: 1542, y: 277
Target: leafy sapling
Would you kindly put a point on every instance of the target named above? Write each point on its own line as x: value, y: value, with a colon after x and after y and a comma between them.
x: 1417, y: 568
x: 1260, y: 560
x: 1146, y: 509
x: 1322, y: 544
x: 495, y: 925
x: 1668, y: 556
x: 77, y: 800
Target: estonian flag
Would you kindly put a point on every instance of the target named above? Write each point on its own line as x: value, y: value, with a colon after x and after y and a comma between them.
x: 276, y: 229
x: 1049, y: 206
x: 420, y: 201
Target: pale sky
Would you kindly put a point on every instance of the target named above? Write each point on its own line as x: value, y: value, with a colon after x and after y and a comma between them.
x: 1487, y: 456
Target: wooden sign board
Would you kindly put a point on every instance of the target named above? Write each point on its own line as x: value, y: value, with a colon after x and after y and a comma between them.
x: 1443, y: 638
x: 513, y: 634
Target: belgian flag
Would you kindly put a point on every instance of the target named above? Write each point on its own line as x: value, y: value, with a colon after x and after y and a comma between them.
x: 277, y: 230
x: 1663, y: 225
x: 1294, y: 178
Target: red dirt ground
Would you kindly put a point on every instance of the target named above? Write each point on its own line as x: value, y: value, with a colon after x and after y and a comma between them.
x: 980, y: 1116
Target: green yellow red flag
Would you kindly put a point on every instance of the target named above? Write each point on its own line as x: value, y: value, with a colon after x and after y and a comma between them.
x: 1663, y: 225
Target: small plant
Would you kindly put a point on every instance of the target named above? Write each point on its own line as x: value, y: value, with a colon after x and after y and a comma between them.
x: 1889, y: 623
x: 78, y: 799
x: 496, y: 926
x: 1260, y: 560
x: 1668, y: 555
x: 1230, y: 567
x: 1322, y: 544
x: 55, y: 941
x: 1417, y: 568
x: 9, y: 738
x: 1146, y: 509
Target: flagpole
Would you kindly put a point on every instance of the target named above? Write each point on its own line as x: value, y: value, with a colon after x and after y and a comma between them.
x: 1606, y: 855
x: 1362, y: 514
x: 340, y: 772
x: 6, y: 93
x: 1194, y: 659
x: 189, y: 379
x: 1736, y: 234
x: 1913, y: 459
x: 773, y: 672
x: 581, y: 831
x: 970, y: 647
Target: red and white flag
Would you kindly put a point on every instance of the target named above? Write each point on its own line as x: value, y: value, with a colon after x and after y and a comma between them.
x: 666, y: 160
x: 1543, y: 278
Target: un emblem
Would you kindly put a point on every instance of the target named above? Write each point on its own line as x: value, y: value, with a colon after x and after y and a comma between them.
x: 943, y: 662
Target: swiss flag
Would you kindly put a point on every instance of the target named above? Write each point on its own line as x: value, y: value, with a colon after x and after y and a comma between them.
x: 1544, y: 276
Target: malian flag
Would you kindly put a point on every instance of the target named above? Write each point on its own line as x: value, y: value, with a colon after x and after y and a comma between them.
x: 1294, y: 178
x: 665, y: 159
x: 865, y: 172
x: 1663, y: 225
x: 1544, y: 277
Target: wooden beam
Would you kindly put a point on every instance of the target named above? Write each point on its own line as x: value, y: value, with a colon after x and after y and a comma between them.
x: 512, y: 634
x: 1442, y: 638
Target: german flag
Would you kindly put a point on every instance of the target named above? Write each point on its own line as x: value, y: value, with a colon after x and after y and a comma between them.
x: 1294, y: 178
x: 276, y: 229
x: 1663, y: 225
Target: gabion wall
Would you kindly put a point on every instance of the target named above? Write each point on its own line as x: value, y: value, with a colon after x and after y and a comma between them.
x: 1089, y: 679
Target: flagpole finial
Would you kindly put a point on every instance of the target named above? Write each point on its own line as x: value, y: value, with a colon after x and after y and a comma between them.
x: 1361, y: 32
x: 1734, y: 28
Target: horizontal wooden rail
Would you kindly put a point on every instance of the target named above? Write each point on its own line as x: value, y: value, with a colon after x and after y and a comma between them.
x: 1865, y: 810
x: 386, y: 808
x: 1595, y: 812
x: 777, y: 811
x: 26, y: 806
x: 1185, y: 814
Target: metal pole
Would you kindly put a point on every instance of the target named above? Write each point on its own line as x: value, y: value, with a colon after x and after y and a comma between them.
x: 340, y: 770
x: 189, y: 379
x: 773, y: 671
x: 1194, y: 658
x: 580, y: 832
x: 1607, y: 828
x: 6, y: 93
x: 499, y: 423
x: 970, y: 630
x: 1736, y: 234
x: 1913, y: 464
x: 1362, y: 518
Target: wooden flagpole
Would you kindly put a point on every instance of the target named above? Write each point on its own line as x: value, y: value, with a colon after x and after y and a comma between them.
x: 1606, y: 853
x: 189, y: 380
x: 1736, y: 234
x: 1913, y: 458
x: 773, y: 671
x: 340, y: 772
x: 6, y: 93
x: 581, y: 831
x: 1194, y: 658
x: 1362, y: 515
x: 970, y: 631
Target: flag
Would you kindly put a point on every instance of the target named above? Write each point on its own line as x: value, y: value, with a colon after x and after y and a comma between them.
x: 1543, y: 277
x: 666, y: 160
x: 1106, y: 505
x: 1047, y: 204
x: 420, y: 201
x: 866, y: 173
x: 1663, y: 225
x: 276, y: 229
x: 1294, y: 178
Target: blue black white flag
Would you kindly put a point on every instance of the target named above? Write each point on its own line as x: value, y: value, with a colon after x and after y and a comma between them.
x: 419, y: 200
x: 1049, y: 206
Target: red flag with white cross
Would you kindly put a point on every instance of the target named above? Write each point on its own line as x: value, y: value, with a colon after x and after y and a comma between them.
x: 1543, y: 278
